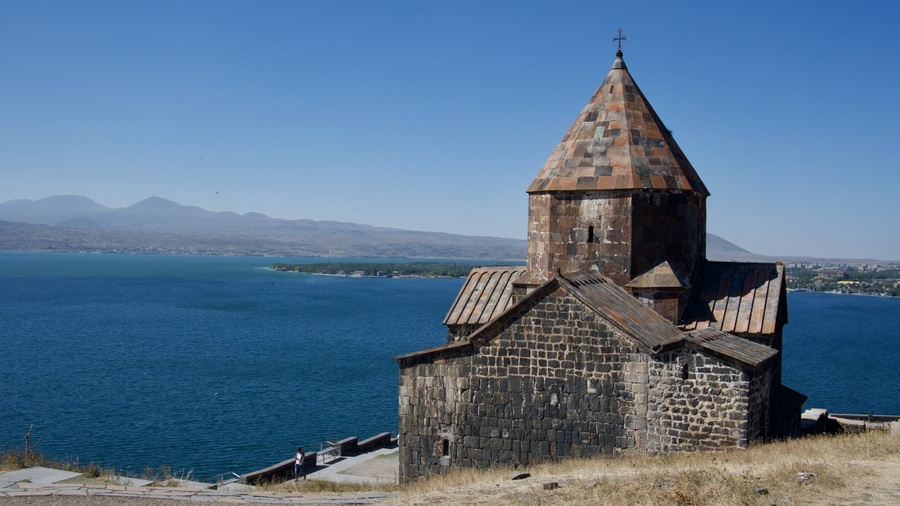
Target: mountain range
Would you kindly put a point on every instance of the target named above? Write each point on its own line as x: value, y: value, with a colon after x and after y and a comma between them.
x: 156, y: 225
x: 71, y: 223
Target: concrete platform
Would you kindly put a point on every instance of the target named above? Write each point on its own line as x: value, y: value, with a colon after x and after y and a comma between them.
x: 34, y: 475
x: 378, y: 466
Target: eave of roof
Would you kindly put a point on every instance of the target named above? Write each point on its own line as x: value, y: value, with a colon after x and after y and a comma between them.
x: 432, y: 351
x: 486, y: 328
x: 732, y: 346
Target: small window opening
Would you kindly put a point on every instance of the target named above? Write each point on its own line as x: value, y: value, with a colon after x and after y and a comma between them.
x: 445, y: 448
x: 590, y: 234
x: 684, y: 372
x: 610, y: 88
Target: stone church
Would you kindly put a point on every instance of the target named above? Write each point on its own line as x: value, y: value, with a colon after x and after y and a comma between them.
x: 619, y: 335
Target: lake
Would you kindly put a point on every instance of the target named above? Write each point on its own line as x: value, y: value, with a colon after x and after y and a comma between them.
x: 219, y: 364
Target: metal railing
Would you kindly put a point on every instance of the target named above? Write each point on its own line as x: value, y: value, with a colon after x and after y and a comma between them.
x: 328, y: 449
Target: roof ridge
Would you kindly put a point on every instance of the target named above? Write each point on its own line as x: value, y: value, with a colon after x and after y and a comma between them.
x: 629, y: 315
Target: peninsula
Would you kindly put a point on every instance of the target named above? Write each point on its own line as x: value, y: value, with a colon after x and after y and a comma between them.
x: 381, y: 269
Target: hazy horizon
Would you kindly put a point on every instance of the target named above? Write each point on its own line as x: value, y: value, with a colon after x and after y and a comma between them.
x: 728, y: 245
x: 436, y: 117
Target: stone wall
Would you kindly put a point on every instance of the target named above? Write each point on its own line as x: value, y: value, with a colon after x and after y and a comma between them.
x: 556, y: 380
x: 623, y: 233
x: 696, y: 402
x: 668, y: 226
x: 668, y: 303
x: 456, y: 333
x: 571, y: 232
x: 542, y: 390
x: 433, y: 408
x: 764, y: 420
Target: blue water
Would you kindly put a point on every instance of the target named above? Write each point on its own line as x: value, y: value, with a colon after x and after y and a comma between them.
x: 843, y: 351
x: 218, y: 364
x: 209, y: 364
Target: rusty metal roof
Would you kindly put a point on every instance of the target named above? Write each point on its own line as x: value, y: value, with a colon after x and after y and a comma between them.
x: 741, y: 298
x: 618, y: 143
x: 660, y: 276
x: 730, y: 345
x: 626, y: 312
x: 485, y: 300
x: 485, y: 294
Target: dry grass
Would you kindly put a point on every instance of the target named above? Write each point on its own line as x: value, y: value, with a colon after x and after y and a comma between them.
x: 848, y: 469
x: 862, y: 467
x: 311, y: 486
x: 29, y: 456
x: 11, y: 459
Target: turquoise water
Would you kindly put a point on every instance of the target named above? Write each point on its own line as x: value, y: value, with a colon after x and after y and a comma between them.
x: 218, y: 364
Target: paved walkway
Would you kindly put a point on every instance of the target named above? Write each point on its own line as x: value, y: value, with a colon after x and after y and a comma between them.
x: 36, y: 482
x: 379, y: 466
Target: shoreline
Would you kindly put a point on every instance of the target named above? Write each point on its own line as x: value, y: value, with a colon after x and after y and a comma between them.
x: 831, y: 292
x: 407, y: 276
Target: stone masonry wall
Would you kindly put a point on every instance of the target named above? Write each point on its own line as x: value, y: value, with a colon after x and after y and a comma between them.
x: 433, y: 399
x: 763, y: 422
x: 668, y: 226
x: 696, y: 402
x: 457, y: 333
x: 571, y: 232
x: 556, y: 382
x: 623, y: 233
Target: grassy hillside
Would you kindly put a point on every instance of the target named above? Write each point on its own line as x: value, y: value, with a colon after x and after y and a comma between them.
x: 849, y: 469
x: 852, y: 469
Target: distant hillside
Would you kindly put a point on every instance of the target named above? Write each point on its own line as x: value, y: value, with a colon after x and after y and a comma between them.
x: 73, y: 223
x: 156, y: 225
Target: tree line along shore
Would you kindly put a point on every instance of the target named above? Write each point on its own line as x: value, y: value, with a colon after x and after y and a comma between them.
x: 877, y: 280
x: 383, y: 269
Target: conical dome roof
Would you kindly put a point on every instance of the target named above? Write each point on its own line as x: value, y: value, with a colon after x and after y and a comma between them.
x: 617, y: 143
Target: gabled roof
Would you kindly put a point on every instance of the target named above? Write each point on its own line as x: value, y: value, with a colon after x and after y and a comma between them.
x: 638, y: 321
x: 732, y: 346
x: 595, y: 290
x: 741, y: 298
x: 621, y: 308
x: 650, y: 330
x: 617, y: 143
x: 660, y: 276
x: 486, y: 293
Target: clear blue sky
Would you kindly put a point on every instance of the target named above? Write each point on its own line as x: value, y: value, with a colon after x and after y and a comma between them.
x: 437, y: 115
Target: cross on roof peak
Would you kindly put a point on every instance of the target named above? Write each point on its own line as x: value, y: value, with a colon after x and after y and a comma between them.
x: 619, y: 39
